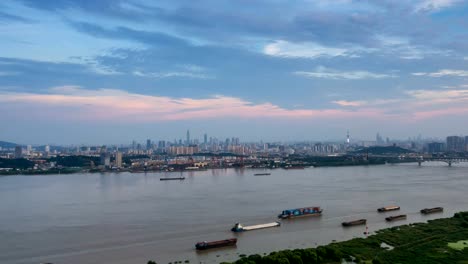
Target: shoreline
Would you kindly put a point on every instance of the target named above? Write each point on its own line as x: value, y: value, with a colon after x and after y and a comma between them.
x: 442, y: 240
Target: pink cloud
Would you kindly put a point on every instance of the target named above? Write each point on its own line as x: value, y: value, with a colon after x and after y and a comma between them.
x: 110, y: 104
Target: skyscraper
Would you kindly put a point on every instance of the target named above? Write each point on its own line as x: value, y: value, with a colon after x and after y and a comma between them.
x: 188, y: 138
x: 456, y: 144
x: 205, y: 139
x: 148, y: 144
x: 18, y: 152
x: 118, y: 159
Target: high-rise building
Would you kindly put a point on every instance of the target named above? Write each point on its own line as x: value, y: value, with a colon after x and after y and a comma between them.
x: 118, y: 159
x: 466, y: 143
x: 148, y: 144
x: 18, y: 152
x: 435, y: 147
x: 455, y: 144
x: 205, y: 139
x: 105, y: 159
x: 28, y: 150
x: 188, y: 138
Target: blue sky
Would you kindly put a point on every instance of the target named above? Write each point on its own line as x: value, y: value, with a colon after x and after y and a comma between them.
x: 112, y: 71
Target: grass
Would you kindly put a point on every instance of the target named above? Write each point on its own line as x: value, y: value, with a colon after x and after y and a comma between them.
x: 460, y: 245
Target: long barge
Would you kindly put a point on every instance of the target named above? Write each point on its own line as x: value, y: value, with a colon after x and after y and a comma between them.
x: 216, y: 244
x: 395, y: 218
x: 262, y: 174
x: 240, y: 228
x: 300, y: 212
x: 432, y: 210
x: 172, y: 179
x: 354, y: 223
x: 388, y: 208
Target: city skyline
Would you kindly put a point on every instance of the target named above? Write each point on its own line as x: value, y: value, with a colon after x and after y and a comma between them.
x: 84, y: 72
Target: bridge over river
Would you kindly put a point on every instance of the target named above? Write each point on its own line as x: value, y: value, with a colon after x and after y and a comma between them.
x: 448, y: 160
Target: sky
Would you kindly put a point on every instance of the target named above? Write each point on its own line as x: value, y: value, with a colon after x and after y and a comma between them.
x: 110, y: 71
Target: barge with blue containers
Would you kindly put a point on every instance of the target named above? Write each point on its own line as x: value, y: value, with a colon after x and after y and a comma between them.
x: 300, y: 212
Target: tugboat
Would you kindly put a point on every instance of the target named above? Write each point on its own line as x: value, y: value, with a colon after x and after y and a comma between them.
x: 240, y: 228
x: 432, y: 210
x: 388, y: 208
x: 395, y: 217
x: 354, y: 223
x: 216, y: 244
x: 300, y: 212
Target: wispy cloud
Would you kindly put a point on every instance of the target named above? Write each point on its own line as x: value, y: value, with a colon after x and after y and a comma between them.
x: 309, y: 50
x: 160, y: 75
x: 443, y: 73
x: 326, y: 73
x: 404, y: 49
x: 434, y: 5
x: 183, y: 70
x: 111, y: 104
x: 8, y: 73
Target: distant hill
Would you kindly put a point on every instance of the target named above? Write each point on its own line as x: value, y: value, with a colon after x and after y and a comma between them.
x: 4, y: 144
x: 378, y: 150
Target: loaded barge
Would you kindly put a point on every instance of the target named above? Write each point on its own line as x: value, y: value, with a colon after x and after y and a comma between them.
x: 216, y: 244
x: 262, y: 174
x: 388, y: 208
x: 240, y: 228
x: 432, y: 210
x: 300, y: 212
x: 395, y: 217
x: 354, y: 223
x: 172, y: 179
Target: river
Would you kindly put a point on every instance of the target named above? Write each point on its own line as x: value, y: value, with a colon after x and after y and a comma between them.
x: 125, y: 218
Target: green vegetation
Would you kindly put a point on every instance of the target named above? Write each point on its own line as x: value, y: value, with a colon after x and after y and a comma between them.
x: 424, y: 243
x: 379, y: 150
x: 16, y: 163
x: 325, y: 161
x: 75, y: 161
x: 460, y: 245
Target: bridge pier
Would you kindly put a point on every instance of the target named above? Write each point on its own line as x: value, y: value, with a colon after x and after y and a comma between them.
x: 450, y: 164
x: 419, y: 163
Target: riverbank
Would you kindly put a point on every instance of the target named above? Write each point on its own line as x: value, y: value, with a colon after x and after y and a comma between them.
x: 430, y: 242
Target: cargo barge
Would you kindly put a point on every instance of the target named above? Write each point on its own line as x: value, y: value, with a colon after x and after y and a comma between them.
x: 262, y: 174
x: 300, y: 212
x: 216, y: 244
x: 432, y: 210
x: 395, y: 218
x: 172, y: 179
x: 240, y: 228
x: 388, y: 208
x: 354, y: 223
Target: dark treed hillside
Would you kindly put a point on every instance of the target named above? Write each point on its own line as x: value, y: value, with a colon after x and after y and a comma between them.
x: 377, y: 150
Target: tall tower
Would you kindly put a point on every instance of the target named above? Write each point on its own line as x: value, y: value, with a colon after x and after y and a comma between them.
x: 188, y: 137
x: 205, y: 139
x: 347, y: 137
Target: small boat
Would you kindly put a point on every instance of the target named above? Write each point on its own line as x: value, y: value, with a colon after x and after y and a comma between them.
x: 395, y: 217
x: 172, y: 179
x: 432, y: 210
x: 294, y: 167
x: 300, y: 212
x: 240, y: 228
x: 216, y: 244
x: 388, y: 208
x: 262, y: 174
x: 354, y: 223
